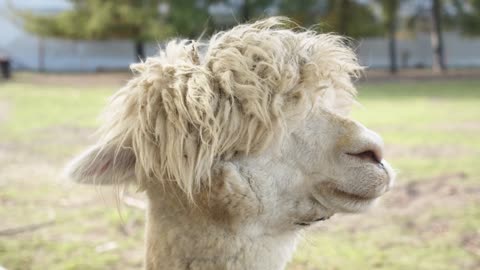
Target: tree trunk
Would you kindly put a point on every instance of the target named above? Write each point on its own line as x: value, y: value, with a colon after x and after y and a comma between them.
x: 41, y: 54
x: 246, y: 10
x: 392, y: 49
x: 343, y: 17
x: 438, y: 64
x: 392, y: 40
x: 139, y: 50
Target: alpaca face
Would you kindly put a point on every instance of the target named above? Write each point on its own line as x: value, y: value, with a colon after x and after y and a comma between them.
x: 328, y: 164
x: 343, y: 162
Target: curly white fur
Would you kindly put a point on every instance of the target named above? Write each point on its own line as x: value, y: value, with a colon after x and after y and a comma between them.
x: 185, y: 111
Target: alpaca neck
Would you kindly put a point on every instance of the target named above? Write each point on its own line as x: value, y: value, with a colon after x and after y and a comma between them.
x: 184, y: 238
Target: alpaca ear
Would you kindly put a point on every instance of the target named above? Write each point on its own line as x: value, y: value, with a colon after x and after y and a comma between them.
x: 103, y: 165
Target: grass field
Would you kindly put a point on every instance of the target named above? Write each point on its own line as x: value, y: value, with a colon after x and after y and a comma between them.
x: 430, y: 220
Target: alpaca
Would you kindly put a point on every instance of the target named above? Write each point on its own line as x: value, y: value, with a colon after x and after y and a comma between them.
x: 239, y: 144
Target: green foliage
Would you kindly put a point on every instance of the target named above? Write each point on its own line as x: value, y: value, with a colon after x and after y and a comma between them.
x: 470, y: 21
x: 121, y: 19
x: 463, y: 18
x: 188, y: 18
x: 346, y: 17
x: 157, y: 19
x: 350, y: 18
x: 389, y: 11
x: 303, y: 12
x: 253, y: 9
x: 241, y: 12
x: 137, y: 20
x: 143, y: 20
x: 98, y: 19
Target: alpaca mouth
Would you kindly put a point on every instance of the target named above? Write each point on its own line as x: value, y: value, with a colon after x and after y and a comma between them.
x: 310, y: 222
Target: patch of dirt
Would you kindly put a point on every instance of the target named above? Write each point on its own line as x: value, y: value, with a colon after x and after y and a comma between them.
x: 67, y: 135
x: 51, y: 144
x: 402, y: 197
x: 4, y: 111
x: 43, y: 158
x: 471, y: 242
x: 462, y: 126
x: 433, y: 228
x: 423, y: 195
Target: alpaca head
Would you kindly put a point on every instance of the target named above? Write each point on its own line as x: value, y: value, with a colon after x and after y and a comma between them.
x: 251, y: 127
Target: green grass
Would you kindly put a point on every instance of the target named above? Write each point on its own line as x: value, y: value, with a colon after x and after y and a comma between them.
x: 432, y: 128
x: 426, y: 115
x: 32, y: 109
x: 60, y: 255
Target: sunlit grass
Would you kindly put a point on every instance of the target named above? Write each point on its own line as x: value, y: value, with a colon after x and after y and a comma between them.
x: 32, y: 109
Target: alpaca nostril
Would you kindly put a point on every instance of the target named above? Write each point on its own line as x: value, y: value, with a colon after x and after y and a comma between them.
x: 368, y: 155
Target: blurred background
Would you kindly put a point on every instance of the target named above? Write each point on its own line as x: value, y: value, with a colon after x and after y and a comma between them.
x: 61, y: 59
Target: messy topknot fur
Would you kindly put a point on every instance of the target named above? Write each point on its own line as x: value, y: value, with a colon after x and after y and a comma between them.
x: 186, y: 110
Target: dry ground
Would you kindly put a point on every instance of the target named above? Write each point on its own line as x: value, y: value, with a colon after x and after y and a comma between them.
x: 430, y: 220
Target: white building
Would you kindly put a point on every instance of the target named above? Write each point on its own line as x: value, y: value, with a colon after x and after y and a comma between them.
x: 33, y: 53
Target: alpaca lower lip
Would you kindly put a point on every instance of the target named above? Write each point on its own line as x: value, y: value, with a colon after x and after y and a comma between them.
x: 342, y: 193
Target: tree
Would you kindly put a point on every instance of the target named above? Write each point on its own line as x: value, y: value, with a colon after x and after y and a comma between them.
x: 189, y: 18
x: 346, y: 17
x: 139, y: 21
x: 390, y: 10
x: 438, y: 64
x: 303, y: 12
x: 246, y: 10
x: 469, y: 20
x: 253, y: 8
x: 431, y: 18
x: 351, y: 18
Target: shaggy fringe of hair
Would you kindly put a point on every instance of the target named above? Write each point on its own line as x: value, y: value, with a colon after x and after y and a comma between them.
x: 185, y: 111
